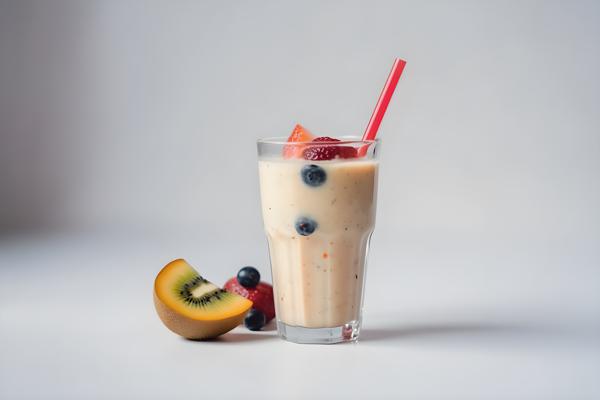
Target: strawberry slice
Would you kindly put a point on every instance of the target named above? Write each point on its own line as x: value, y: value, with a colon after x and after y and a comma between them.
x: 299, y: 134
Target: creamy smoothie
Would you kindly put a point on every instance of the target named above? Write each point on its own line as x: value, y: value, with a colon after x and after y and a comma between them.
x: 318, y: 216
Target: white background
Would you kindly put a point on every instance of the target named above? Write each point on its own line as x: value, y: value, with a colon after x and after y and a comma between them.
x: 127, y: 138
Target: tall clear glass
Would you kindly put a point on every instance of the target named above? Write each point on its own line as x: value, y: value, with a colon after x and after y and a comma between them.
x: 318, y: 218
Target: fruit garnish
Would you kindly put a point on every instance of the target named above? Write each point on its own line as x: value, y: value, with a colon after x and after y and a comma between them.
x: 325, y: 139
x: 327, y: 151
x: 248, y: 277
x: 193, y: 307
x: 299, y: 135
x: 261, y: 296
x: 347, y: 152
x: 255, y: 320
x: 305, y: 226
x: 313, y: 175
x: 320, y: 153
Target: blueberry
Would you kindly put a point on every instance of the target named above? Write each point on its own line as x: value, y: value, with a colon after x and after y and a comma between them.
x: 313, y: 175
x: 255, y: 320
x: 248, y: 277
x: 305, y: 226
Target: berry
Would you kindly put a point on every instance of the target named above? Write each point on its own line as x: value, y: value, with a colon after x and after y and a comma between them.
x: 313, y: 175
x: 255, y: 320
x: 305, y: 226
x: 347, y: 152
x: 248, y: 277
x: 342, y: 151
x: 328, y: 151
x: 325, y: 139
x: 299, y: 134
x: 320, y: 153
x: 261, y: 296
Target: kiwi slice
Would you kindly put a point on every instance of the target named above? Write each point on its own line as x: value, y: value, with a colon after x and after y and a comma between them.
x: 193, y: 307
x: 195, y: 291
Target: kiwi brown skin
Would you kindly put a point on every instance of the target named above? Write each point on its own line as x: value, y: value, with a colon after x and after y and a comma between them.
x: 191, y: 328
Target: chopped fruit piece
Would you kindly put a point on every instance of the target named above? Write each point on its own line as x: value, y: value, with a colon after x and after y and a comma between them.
x: 248, y: 277
x: 261, y: 296
x: 313, y: 175
x: 194, y: 308
x: 328, y: 151
x: 299, y: 135
x: 320, y: 153
x: 305, y: 226
x: 347, y: 152
x: 255, y: 320
x: 325, y: 139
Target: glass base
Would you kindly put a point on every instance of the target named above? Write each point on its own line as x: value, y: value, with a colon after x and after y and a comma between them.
x: 298, y: 334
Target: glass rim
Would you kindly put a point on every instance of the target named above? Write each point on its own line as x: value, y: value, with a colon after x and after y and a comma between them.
x: 343, y: 140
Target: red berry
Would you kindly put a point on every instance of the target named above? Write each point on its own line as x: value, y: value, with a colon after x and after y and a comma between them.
x: 325, y: 139
x: 347, y: 152
x: 320, y: 153
x: 261, y: 296
x: 328, y: 152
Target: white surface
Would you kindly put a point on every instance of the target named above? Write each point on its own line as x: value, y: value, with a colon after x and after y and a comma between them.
x: 77, y: 321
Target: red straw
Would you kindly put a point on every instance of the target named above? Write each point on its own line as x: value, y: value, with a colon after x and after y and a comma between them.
x: 384, y: 99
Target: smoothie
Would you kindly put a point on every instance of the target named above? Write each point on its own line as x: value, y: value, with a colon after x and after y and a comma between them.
x: 318, y: 217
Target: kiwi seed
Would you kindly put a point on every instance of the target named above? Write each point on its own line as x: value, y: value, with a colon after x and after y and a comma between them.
x: 185, y: 293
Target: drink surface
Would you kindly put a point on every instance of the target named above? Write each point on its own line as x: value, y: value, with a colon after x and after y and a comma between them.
x: 318, y: 276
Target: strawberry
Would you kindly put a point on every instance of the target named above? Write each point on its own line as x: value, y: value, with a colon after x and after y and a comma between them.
x: 319, y: 153
x: 325, y: 139
x: 328, y: 151
x: 323, y: 152
x: 261, y: 296
x: 299, y: 134
x: 347, y: 152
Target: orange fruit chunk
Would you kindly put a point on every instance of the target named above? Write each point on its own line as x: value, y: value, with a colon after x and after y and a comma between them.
x: 299, y: 135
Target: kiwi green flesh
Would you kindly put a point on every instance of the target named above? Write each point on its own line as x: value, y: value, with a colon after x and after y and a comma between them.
x: 212, y: 297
